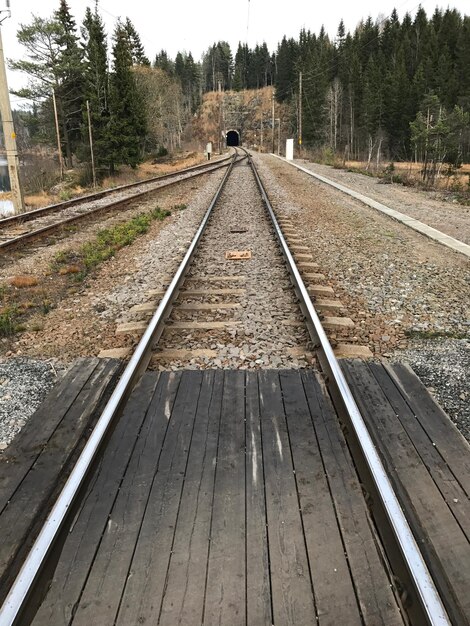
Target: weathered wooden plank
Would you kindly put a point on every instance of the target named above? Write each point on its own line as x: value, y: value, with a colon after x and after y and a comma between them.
x: 183, y: 602
x: 92, y: 520
x: 450, y: 443
x: 291, y: 585
x: 212, y: 292
x: 442, y: 541
x: 332, y: 585
x: 32, y: 500
x: 17, y: 459
x: 146, y: 572
x: 258, y: 599
x: 226, y: 278
x: 226, y: 582
x: 101, y: 597
x: 371, y: 580
x: 447, y: 483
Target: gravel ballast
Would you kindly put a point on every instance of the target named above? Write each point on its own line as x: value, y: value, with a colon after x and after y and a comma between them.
x: 24, y: 383
x: 443, y: 365
x: 268, y: 307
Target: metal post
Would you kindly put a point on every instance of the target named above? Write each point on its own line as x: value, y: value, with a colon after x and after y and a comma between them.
x: 10, y: 136
x: 91, y: 143
x: 278, y: 120
x: 59, y: 147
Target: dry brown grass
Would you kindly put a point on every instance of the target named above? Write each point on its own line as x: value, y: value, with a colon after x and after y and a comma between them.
x: 23, y: 281
x: 124, y: 176
x: 70, y: 269
x: 37, y: 200
x: 411, y: 173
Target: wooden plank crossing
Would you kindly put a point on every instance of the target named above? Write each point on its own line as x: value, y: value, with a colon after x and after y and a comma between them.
x: 223, y: 497
x: 428, y: 461
x: 36, y: 464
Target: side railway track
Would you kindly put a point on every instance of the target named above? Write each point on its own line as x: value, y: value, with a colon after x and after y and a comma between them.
x: 417, y: 597
x: 42, y: 222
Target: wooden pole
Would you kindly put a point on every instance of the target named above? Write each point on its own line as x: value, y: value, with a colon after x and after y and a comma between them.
x: 272, y: 121
x: 10, y: 136
x: 90, y: 133
x: 59, y: 147
x: 261, y: 140
x: 300, y: 111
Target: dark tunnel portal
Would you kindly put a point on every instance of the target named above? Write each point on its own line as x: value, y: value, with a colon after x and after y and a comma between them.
x: 233, y: 138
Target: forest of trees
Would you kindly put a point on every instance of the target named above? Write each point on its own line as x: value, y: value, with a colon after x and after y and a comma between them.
x: 402, y: 88
x: 390, y: 89
x: 132, y: 105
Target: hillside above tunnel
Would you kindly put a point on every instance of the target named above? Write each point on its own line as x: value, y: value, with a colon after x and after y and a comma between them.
x: 241, y: 118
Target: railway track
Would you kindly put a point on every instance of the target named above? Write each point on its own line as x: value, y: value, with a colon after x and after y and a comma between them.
x: 19, y: 230
x: 217, y: 287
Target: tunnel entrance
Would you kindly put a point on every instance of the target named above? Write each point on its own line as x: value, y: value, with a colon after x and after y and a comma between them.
x: 233, y: 138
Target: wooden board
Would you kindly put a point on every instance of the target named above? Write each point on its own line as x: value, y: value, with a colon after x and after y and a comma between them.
x: 334, y: 590
x: 441, y: 537
x: 36, y: 466
x: 238, y: 255
x: 366, y: 561
x: 225, y: 497
x: 94, y: 521
x: 292, y: 599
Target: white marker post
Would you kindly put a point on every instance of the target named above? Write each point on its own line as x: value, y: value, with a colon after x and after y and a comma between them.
x: 289, y: 149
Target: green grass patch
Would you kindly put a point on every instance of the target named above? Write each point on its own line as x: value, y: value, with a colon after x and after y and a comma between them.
x: 8, y: 321
x: 179, y: 207
x: 106, y: 243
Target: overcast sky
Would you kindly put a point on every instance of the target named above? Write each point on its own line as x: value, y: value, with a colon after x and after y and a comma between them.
x: 193, y: 25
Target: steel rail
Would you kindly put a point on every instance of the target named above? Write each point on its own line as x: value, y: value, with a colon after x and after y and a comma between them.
x: 430, y: 608
x: 14, y: 605
x: 54, y: 208
x: 38, y: 232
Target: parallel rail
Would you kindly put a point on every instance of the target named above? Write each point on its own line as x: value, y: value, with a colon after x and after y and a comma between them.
x: 60, y: 206
x: 14, y: 242
x: 403, y: 552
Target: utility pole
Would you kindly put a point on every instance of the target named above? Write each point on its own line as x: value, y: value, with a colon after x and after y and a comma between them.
x: 59, y: 147
x: 9, y: 129
x: 91, y: 143
x: 261, y: 139
x: 272, y: 123
x: 300, y: 111
x: 278, y: 120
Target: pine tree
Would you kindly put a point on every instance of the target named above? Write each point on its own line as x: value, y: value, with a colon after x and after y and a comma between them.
x: 127, y: 125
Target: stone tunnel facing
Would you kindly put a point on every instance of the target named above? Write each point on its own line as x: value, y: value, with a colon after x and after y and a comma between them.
x: 233, y: 138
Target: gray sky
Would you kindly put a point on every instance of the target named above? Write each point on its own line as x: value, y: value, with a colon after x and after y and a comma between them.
x: 193, y: 25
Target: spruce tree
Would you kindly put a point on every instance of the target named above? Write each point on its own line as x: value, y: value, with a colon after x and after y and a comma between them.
x: 163, y: 62
x: 70, y: 71
x: 137, y: 49
x: 127, y: 125
x: 96, y: 84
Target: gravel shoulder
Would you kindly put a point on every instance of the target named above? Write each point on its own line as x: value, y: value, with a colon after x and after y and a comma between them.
x: 428, y: 207
x: 405, y: 293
